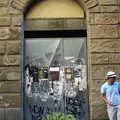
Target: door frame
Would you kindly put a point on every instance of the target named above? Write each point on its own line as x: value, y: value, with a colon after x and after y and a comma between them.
x: 47, y: 34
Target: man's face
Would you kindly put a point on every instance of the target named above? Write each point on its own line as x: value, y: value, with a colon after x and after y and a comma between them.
x: 111, y: 80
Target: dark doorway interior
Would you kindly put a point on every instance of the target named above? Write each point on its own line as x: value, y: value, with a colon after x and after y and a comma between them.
x: 55, y: 34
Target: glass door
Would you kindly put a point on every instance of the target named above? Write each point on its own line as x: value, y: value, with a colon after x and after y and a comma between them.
x: 56, y: 79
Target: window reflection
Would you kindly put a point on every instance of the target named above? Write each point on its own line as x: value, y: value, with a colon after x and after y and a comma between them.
x: 56, y: 75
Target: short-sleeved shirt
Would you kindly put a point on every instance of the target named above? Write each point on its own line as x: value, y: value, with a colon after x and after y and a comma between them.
x: 112, y: 92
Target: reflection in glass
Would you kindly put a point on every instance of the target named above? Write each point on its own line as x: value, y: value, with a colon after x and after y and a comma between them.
x: 56, y: 78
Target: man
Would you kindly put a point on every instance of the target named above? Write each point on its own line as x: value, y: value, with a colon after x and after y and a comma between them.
x: 110, y: 93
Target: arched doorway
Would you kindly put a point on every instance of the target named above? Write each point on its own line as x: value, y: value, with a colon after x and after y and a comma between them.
x: 55, y: 75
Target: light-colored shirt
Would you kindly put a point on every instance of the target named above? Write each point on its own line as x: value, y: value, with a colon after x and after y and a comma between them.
x: 112, y: 92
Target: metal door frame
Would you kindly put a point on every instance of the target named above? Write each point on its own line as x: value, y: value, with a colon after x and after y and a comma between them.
x: 42, y: 34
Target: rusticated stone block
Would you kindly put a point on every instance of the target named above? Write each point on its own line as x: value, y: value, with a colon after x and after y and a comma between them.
x: 11, y: 60
x: 99, y: 112
x: 4, y: 33
x: 95, y: 97
x: 10, y: 100
x: 12, y: 33
x: 91, y: 18
x: 5, y: 20
x: 15, y: 33
x: 4, y: 3
x: 91, y: 3
x: 114, y: 58
x: 106, y: 58
x: 10, y: 73
x: 13, y: 11
x: 105, y: 9
x: 16, y: 20
x: 13, y: 47
x: 99, y: 71
x: 106, y: 18
x: 105, y: 45
x: 119, y: 27
x: 18, y: 4
x: 103, y: 31
x: 10, y: 87
x: 101, y: 58
x: 17, y: 76
x: 2, y: 47
x: 96, y: 86
x: 108, y: 2
x: 3, y: 11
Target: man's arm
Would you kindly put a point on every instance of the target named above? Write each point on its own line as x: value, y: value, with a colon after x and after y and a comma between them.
x: 103, y: 93
x: 102, y: 96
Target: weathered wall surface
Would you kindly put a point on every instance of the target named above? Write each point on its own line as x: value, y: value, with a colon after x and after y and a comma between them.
x: 104, y: 49
x: 103, y: 25
x: 10, y: 20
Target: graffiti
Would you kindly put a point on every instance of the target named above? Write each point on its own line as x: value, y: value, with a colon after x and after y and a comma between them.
x: 58, y: 100
x: 77, y: 105
x: 40, y: 109
x: 60, y: 116
x: 55, y: 82
x: 52, y: 116
x: 39, y: 112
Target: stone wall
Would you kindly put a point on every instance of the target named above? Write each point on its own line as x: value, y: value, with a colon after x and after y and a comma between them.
x: 103, y: 25
x: 10, y: 59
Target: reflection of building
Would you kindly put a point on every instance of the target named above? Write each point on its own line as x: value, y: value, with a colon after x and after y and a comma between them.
x: 61, y: 79
x: 63, y: 87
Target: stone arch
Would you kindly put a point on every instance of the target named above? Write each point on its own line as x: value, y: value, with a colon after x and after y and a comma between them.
x: 87, y: 5
x: 21, y: 4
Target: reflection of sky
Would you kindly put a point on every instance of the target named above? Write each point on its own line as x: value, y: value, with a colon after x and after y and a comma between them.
x: 46, y: 48
x: 37, y: 47
x: 72, y: 47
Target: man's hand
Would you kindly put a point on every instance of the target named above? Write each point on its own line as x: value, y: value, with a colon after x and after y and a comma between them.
x: 109, y: 103
x: 104, y: 99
